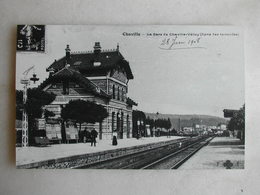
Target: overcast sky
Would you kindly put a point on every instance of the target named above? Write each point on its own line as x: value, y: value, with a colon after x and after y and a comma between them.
x: 204, y: 77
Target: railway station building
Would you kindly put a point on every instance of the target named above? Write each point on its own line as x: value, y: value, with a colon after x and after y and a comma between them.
x: 99, y: 76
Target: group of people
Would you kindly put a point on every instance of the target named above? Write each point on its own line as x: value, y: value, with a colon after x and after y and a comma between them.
x: 92, y: 136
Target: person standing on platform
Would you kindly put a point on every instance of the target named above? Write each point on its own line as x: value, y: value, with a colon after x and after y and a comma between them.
x: 93, y: 134
x: 85, y: 135
x: 114, y: 140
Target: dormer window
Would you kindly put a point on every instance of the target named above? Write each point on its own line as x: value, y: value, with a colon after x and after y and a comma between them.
x: 77, y: 63
x: 97, y: 63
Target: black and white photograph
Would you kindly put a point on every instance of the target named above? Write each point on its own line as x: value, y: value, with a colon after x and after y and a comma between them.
x: 158, y: 97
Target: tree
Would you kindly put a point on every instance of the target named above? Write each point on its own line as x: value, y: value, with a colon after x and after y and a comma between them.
x: 36, y: 99
x: 163, y: 123
x: 237, y: 122
x: 168, y: 124
x: 48, y: 114
x: 150, y: 122
x: 82, y: 111
x: 174, y: 132
x: 138, y: 129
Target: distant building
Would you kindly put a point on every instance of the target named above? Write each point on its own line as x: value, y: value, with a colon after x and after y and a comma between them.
x: 212, y: 127
x: 188, y: 130
x: 100, y: 76
x: 223, y: 127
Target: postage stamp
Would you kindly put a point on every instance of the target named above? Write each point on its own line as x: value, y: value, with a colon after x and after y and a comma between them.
x: 31, y: 38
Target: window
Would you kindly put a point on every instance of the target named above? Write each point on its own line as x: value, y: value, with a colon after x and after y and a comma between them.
x: 118, y: 93
x: 122, y: 95
x: 127, y: 126
x: 77, y: 63
x: 117, y: 122
x: 114, y: 93
x: 113, y: 121
x: 97, y: 63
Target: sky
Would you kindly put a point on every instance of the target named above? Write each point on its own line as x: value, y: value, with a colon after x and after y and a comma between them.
x: 177, y: 69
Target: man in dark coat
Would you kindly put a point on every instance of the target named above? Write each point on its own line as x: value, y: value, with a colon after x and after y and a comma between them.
x: 93, y: 134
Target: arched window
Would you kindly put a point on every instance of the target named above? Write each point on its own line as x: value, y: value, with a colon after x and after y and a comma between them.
x: 114, y: 93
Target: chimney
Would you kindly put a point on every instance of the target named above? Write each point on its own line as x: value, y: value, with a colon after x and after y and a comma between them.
x: 97, y: 48
x: 67, y: 54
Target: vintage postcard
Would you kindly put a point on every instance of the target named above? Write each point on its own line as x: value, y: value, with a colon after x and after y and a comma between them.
x: 130, y: 97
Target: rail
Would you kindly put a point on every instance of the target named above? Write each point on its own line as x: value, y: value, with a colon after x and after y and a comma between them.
x: 143, y: 159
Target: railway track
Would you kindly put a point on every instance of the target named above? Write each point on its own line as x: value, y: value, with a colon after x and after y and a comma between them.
x: 164, y: 157
x: 176, y: 159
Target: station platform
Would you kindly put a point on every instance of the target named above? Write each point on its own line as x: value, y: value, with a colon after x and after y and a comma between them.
x: 36, y: 154
x: 220, y: 153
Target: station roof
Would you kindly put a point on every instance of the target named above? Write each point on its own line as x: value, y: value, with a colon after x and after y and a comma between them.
x: 69, y: 74
x: 85, y: 62
x: 131, y: 102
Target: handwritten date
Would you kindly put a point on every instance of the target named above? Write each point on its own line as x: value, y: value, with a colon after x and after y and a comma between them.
x: 174, y: 43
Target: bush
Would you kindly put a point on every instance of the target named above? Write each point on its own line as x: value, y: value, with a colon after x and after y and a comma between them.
x: 225, y: 134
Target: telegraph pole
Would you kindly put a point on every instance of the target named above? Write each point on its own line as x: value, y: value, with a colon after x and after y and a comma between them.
x: 25, y: 82
x: 25, y: 141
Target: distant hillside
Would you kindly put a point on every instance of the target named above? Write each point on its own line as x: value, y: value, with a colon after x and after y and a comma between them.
x: 189, y: 120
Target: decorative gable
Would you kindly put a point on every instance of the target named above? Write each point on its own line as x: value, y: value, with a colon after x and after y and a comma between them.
x: 120, y: 75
